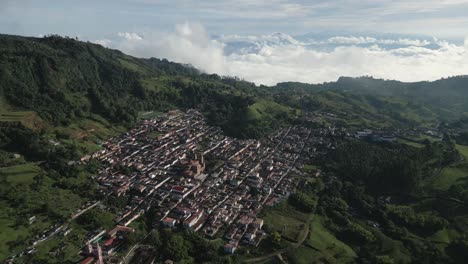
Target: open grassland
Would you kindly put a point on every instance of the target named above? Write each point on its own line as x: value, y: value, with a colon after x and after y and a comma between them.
x: 390, y: 247
x: 444, y: 236
x: 28, y: 119
x: 264, y: 108
x: 410, y: 143
x: 20, y: 174
x: 463, y: 151
x: 87, y: 134
x: 10, y: 231
x: 449, y: 176
x: 326, y: 244
x: 310, y: 168
x: 289, y: 227
x: 287, y: 221
x: 149, y: 114
x: 452, y: 174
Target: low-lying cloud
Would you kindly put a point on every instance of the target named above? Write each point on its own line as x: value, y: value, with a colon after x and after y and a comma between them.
x: 189, y: 43
x: 279, y: 57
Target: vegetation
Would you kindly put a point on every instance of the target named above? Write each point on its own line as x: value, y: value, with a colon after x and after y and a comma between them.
x: 59, y: 98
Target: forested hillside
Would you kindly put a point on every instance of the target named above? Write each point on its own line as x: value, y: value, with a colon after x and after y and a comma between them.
x: 65, y: 80
x: 444, y: 99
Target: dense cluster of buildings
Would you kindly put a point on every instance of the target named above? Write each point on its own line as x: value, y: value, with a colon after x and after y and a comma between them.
x: 189, y: 175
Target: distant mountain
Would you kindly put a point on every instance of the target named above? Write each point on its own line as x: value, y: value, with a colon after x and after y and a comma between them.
x: 445, y: 98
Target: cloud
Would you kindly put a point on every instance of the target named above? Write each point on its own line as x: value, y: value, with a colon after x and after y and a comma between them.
x: 189, y: 43
x: 280, y: 57
x: 247, y: 9
x: 296, y: 63
x: 370, y: 40
x: 104, y: 42
x: 129, y: 36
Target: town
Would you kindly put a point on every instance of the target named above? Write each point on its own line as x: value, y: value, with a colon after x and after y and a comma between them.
x: 189, y: 175
x: 192, y: 176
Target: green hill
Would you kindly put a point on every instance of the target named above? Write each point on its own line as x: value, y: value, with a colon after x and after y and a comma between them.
x: 64, y: 80
x: 441, y: 100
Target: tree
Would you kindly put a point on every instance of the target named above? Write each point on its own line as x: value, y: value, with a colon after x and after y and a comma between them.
x: 176, y: 248
x: 276, y: 239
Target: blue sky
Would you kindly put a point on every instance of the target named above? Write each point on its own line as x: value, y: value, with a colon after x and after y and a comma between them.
x: 409, y: 40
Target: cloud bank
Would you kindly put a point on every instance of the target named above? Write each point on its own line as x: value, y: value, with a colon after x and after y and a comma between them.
x: 270, y: 59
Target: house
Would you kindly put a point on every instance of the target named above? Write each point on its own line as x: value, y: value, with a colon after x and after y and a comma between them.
x: 169, y: 222
x: 88, y: 260
x: 230, y: 248
x: 258, y: 223
x: 109, y: 242
x: 178, y: 190
x: 32, y: 219
x: 193, y: 219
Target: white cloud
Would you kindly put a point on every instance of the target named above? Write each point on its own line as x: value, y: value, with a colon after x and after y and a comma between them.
x: 129, y: 36
x: 370, y: 40
x: 104, y: 42
x: 296, y: 63
x: 189, y: 43
x: 279, y: 57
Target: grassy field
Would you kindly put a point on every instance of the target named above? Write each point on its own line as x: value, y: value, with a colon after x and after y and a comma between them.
x: 28, y: 119
x: 268, y: 109
x: 310, y: 167
x: 410, y: 143
x: 289, y: 227
x: 452, y: 174
x: 443, y: 236
x: 149, y: 114
x: 87, y: 129
x: 449, y: 176
x: 20, y: 174
x: 15, y: 234
x: 289, y: 222
x: 87, y: 134
x: 392, y: 248
x: 10, y: 232
x: 463, y: 151
x: 305, y: 255
x: 326, y: 244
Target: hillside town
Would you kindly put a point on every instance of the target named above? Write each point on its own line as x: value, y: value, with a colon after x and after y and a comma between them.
x: 190, y: 175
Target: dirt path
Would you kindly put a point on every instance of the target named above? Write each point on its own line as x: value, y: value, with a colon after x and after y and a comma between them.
x: 280, y: 258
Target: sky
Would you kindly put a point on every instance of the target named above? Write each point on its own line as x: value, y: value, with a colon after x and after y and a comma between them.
x: 266, y: 41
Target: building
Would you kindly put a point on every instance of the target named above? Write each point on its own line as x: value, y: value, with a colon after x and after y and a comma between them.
x: 88, y: 260
x: 230, y: 248
x: 169, y: 222
x: 194, y: 167
x: 258, y: 223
